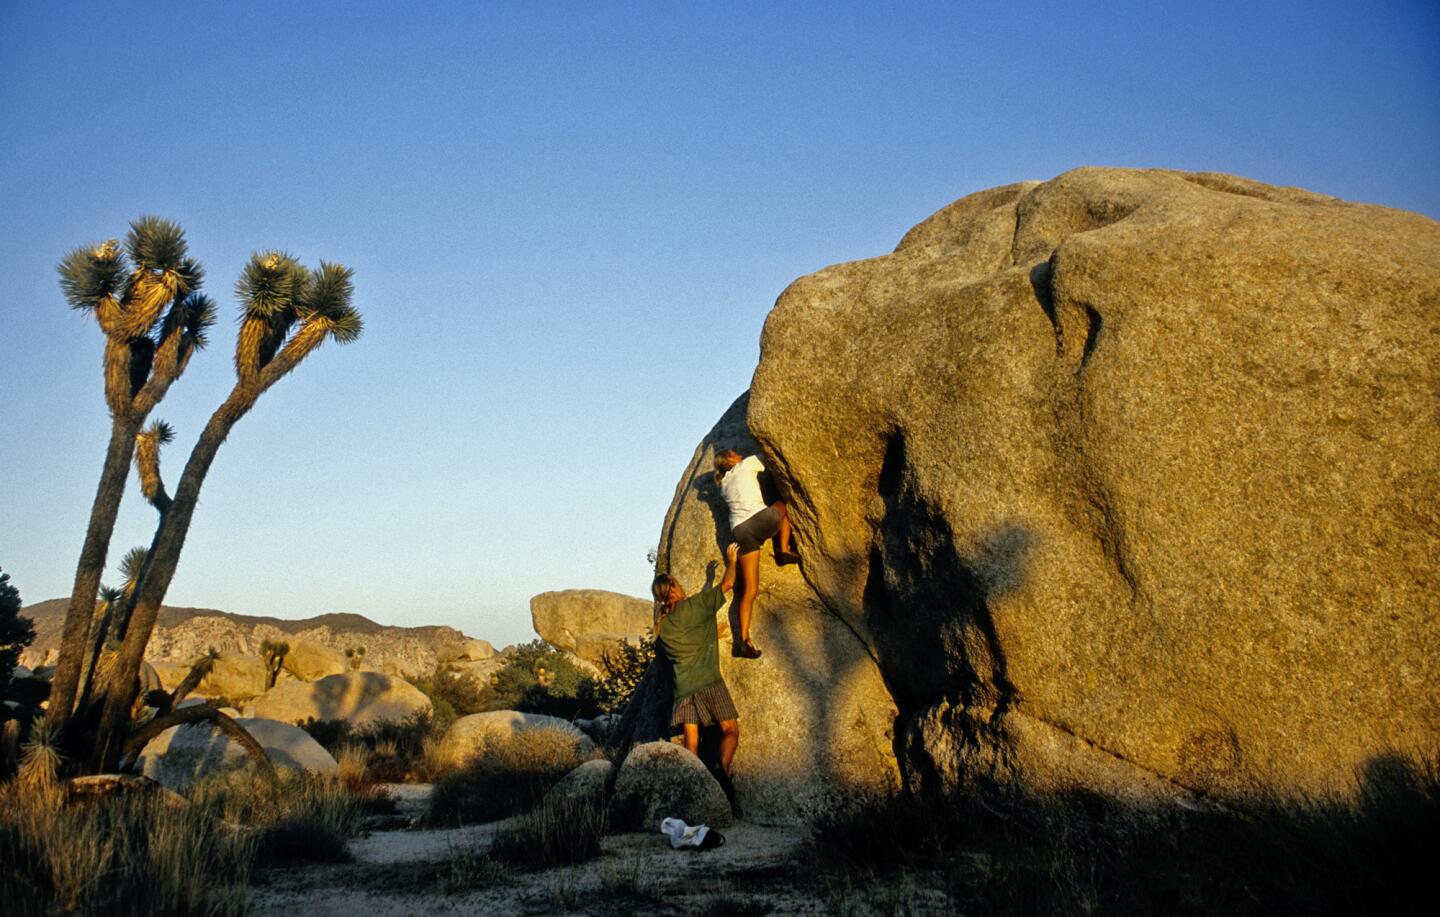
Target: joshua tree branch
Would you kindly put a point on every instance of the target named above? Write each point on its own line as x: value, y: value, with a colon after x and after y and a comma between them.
x: 192, y: 680
x: 234, y: 730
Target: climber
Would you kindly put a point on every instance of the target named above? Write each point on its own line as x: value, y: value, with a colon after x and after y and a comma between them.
x: 688, y: 639
x: 751, y: 522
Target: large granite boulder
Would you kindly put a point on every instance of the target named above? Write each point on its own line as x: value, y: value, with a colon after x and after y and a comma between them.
x: 660, y: 780
x: 181, y: 756
x: 361, y: 698
x: 588, y: 623
x: 468, y: 650
x: 311, y: 661
x: 235, y: 676
x: 471, y: 734
x: 815, y: 718
x: 1124, y: 480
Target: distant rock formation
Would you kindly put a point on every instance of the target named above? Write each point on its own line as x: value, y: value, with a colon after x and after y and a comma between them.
x: 1128, y: 480
x: 182, y: 635
x: 589, y: 622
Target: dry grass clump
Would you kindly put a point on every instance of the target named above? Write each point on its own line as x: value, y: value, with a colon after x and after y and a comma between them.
x: 300, y: 818
x: 122, y: 855
x: 559, y: 832
x: 1004, y: 852
x: 503, y: 777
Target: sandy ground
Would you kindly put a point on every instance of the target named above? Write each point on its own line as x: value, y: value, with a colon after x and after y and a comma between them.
x: 426, y: 872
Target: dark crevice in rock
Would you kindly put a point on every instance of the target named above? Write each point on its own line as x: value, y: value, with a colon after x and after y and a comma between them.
x: 930, y: 608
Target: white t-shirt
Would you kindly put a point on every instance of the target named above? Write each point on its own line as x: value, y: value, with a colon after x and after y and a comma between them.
x: 741, y: 489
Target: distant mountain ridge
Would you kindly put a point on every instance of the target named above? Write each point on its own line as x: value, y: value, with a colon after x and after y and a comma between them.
x: 181, y: 634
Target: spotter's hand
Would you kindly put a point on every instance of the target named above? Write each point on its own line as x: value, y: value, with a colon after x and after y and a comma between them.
x: 732, y: 551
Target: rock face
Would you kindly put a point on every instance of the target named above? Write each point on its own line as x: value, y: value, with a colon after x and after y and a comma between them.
x: 309, y: 661
x: 662, y: 780
x: 1126, y: 479
x: 361, y: 698
x: 235, y: 676
x: 183, y: 755
x: 815, y: 718
x: 589, y: 622
x: 469, y: 734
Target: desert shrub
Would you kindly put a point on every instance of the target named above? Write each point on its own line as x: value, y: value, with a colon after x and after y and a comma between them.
x: 250, y: 799
x: 503, y: 778
x: 623, y: 668
x: 559, y: 832
x: 120, y: 855
x: 296, y: 841
x: 16, y: 632
x: 452, y: 693
x: 1001, y: 851
x: 394, y: 751
x: 538, y: 679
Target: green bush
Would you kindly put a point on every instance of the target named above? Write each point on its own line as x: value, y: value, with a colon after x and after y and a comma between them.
x: 503, y: 778
x: 538, y: 679
x: 452, y: 693
x: 624, y: 667
x: 16, y: 632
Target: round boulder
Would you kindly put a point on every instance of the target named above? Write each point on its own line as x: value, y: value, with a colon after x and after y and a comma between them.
x: 662, y: 780
x: 238, y: 677
x: 360, y: 698
x: 584, y: 785
x: 310, y: 661
x: 181, y: 756
x: 469, y: 734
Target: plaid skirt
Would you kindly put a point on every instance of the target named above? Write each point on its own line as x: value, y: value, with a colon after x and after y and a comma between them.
x: 706, y: 707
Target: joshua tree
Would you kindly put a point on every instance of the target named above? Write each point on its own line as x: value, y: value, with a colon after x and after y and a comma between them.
x: 356, y: 654
x: 145, y: 297
x: 287, y: 311
x: 274, y: 653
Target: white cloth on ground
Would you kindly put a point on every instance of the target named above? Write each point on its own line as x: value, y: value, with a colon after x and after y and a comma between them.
x: 683, y: 835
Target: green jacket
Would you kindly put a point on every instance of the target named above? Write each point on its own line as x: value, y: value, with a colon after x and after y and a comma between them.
x: 689, y: 639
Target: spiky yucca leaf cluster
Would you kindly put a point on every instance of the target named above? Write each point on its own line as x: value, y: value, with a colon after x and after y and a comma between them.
x: 281, y: 301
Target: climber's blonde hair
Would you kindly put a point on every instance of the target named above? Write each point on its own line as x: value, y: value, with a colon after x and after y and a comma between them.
x: 725, y: 459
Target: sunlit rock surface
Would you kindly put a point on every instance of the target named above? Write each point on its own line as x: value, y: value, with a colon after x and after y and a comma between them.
x: 1128, y: 480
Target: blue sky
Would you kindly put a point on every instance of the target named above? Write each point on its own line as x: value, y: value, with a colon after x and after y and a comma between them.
x: 567, y: 223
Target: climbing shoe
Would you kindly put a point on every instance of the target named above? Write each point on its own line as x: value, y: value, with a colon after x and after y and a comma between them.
x: 784, y: 558
x: 744, y: 650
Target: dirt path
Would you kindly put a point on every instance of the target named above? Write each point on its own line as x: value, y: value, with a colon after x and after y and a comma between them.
x: 427, y: 872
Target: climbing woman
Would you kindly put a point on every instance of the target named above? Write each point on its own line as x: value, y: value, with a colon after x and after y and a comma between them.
x: 751, y: 522
x: 687, y: 638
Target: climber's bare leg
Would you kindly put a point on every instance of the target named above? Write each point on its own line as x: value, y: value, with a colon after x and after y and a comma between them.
x: 729, y: 741
x: 749, y: 565
x: 784, y: 540
x: 692, y: 738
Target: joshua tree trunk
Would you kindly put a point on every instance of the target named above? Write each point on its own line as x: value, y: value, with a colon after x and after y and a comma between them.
x: 75, y: 637
x: 143, y: 606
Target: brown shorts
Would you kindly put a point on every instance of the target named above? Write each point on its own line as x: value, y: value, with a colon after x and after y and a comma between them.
x: 753, y: 532
x: 706, y: 707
